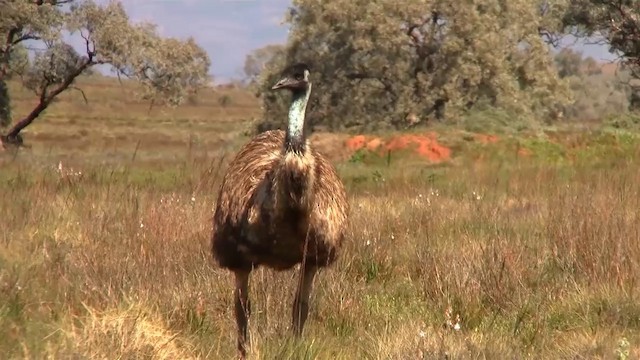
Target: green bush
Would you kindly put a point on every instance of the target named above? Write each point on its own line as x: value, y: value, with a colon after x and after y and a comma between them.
x: 626, y: 121
x: 495, y: 121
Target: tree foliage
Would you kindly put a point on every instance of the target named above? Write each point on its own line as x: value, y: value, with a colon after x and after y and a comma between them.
x: 169, y: 69
x: 617, y: 22
x: 375, y: 63
x: 595, y: 95
x: 571, y: 63
x: 257, y: 60
x: 568, y: 62
x: 51, y: 67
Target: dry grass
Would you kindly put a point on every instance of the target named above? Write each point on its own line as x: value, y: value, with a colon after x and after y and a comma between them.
x: 115, y: 122
x: 486, y: 257
x: 481, y: 262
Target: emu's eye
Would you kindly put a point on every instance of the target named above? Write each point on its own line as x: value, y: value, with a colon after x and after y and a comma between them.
x: 298, y: 76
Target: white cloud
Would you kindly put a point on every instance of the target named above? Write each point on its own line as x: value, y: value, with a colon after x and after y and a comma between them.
x: 226, y: 29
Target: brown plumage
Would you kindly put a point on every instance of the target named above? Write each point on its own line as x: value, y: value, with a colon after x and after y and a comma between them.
x: 281, y: 203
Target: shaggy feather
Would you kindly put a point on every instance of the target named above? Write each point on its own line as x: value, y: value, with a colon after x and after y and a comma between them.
x: 273, y: 204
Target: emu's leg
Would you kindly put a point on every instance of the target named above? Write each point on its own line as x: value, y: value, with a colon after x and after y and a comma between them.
x: 301, y: 302
x: 242, y: 310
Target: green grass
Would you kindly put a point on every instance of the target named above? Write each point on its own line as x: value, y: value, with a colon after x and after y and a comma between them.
x: 537, y: 255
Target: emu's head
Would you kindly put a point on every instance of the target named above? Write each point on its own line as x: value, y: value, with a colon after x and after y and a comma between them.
x: 294, y: 77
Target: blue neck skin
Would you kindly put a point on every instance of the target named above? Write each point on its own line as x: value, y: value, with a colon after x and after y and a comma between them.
x: 295, y: 138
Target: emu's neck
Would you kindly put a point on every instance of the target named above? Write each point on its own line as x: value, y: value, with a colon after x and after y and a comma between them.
x: 295, y: 139
x: 295, y: 176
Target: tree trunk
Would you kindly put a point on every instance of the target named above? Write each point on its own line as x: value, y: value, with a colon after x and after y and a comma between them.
x: 15, y: 130
x: 13, y: 136
x: 5, y: 104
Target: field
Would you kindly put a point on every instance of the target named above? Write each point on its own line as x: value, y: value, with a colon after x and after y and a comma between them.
x: 515, y: 247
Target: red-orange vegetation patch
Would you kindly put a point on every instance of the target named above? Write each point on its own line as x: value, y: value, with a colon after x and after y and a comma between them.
x: 374, y: 144
x: 524, y: 152
x: 357, y: 142
x: 487, y: 139
x: 426, y: 145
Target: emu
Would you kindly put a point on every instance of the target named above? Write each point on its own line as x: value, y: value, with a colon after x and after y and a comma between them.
x: 281, y: 203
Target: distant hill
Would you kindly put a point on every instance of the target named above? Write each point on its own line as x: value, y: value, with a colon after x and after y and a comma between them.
x: 610, y: 68
x: 109, y: 97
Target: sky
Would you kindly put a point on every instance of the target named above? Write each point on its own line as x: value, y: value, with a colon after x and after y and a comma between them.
x: 229, y: 29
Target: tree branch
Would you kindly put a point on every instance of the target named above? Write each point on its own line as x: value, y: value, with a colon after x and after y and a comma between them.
x: 6, y: 51
x: 86, y: 101
x: 89, y: 45
x: 43, y: 91
x: 52, y: 2
x: 152, y: 102
x: 549, y: 37
x: 359, y: 76
x: 413, y: 32
x: 24, y: 38
x: 46, y: 97
x: 364, y: 76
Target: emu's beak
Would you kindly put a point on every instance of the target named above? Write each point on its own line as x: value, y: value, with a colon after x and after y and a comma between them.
x: 280, y: 84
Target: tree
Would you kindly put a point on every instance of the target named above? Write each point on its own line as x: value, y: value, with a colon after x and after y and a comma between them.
x: 256, y: 61
x: 614, y: 22
x: 634, y: 99
x: 18, y: 61
x: 169, y: 69
x: 377, y: 62
x: 569, y: 62
x: 5, y: 105
x: 591, y: 67
x: 594, y: 97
